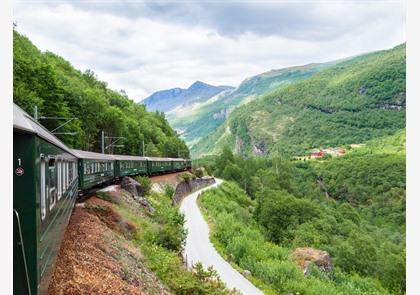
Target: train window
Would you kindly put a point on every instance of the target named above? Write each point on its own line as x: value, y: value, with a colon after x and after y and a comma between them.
x: 43, y: 189
x: 63, y: 179
x: 64, y: 175
x: 71, y: 172
x: 52, y: 193
x: 67, y: 174
x: 112, y: 165
x: 84, y: 168
x: 92, y: 167
x: 59, y: 190
x: 74, y: 170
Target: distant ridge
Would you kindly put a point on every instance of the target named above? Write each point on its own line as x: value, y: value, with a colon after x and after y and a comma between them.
x: 166, y: 100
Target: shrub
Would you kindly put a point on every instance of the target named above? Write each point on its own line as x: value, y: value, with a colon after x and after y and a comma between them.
x: 185, y: 176
x: 199, y: 172
x: 145, y: 183
x: 169, y: 190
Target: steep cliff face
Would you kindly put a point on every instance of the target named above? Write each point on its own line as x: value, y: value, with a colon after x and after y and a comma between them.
x: 186, y: 187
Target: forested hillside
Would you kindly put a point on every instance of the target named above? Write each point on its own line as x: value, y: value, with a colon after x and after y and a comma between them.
x: 199, y: 119
x: 51, y: 83
x: 353, y: 207
x: 351, y: 102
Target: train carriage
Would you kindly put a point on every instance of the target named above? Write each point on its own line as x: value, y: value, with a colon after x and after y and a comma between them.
x: 47, y: 178
x: 130, y: 165
x: 94, y: 169
x: 44, y: 192
x: 188, y: 163
x: 179, y: 164
x: 159, y: 165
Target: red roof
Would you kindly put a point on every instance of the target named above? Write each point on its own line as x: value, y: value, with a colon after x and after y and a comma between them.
x: 317, y: 154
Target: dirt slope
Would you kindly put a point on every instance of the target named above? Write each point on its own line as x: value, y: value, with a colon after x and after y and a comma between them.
x: 97, y: 256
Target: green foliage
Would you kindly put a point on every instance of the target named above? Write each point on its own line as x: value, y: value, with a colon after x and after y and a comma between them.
x: 169, y: 190
x: 237, y: 233
x: 161, y: 237
x: 145, y: 184
x: 199, y: 172
x: 281, y: 213
x: 351, y: 206
x: 199, y: 121
x: 186, y: 176
x: 351, y: 102
x: 52, y: 84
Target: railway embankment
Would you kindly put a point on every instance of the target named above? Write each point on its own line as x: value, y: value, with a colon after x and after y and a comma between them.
x: 120, y: 241
x: 99, y: 254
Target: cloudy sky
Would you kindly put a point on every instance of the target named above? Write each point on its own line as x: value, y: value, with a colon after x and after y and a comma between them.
x: 145, y: 46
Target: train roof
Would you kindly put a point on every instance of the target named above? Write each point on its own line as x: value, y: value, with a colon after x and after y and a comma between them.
x: 177, y: 159
x: 24, y: 122
x: 159, y: 159
x: 92, y: 155
x: 131, y: 158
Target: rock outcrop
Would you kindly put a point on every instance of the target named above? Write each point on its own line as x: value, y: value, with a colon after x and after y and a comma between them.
x: 305, y: 256
x: 187, y: 186
x: 136, y: 191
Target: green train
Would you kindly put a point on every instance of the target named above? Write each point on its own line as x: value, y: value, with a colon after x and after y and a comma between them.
x: 48, y: 177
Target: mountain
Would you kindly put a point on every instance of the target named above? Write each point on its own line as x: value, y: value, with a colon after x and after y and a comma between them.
x: 195, y: 121
x: 51, y: 83
x: 166, y: 100
x: 351, y: 102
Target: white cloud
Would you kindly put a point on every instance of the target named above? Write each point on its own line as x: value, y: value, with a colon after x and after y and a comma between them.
x: 142, y: 51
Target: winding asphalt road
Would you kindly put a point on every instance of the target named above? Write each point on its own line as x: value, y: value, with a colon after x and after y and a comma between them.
x: 199, y: 248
